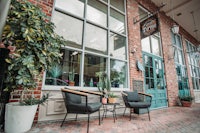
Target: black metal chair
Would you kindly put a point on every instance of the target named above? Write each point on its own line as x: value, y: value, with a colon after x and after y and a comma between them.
x: 136, y: 100
x: 74, y: 104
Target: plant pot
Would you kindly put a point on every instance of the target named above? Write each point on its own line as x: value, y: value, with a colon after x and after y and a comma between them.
x: 71, y: 83
x: 18, y: 118
x: 186, y: 103
x: 104, y: 100
x: 112, y: 100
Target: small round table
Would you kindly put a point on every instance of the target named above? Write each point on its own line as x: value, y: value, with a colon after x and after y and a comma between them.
x: 113, y: 110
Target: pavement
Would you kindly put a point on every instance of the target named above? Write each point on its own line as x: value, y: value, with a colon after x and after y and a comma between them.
x: 166, y: 120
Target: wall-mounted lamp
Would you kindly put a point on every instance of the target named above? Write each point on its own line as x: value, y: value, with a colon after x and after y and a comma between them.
x: 171, y: 52
x: 175, y: 29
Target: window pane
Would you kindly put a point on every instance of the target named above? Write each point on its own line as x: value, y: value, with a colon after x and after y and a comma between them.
x: 117, y: 22
x: 68, y: 70
x: 118, y: 74
x: 72, y: 33
x: 155, y: 46
x: 75, y: 7
x: 96, y: 39
x: 119, y: 4
x: 97, y: 12
x: 117, y: 46
x: 92, y: 65
x: 146, y: 45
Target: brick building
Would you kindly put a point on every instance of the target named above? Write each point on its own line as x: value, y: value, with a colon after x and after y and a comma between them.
x: 105, y: 35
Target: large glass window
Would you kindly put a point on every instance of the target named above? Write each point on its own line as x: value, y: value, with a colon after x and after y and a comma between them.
x: 92, y: 65
x: 75, y: 7
x: 96, y: 39
x: 194, y: 66
x: 72, y: 33
x: 181, y: 70
x: 97, y: 12
x: 118, y: 74
x: 117, y: 46
x: 94, y: 43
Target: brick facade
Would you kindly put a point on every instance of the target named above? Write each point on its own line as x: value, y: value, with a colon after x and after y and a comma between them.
x: 134, y: 43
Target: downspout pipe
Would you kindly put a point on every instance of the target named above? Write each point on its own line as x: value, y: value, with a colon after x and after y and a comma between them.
x: 4, y: 6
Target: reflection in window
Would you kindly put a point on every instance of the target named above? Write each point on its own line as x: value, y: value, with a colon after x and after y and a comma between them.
x: 146, y: 45
x: 117, y: 46
x: 118, y: 74
x: 75, y: 7
x: 155, y: 46
x: 96, y: 39
x: 92, y: 65
x: 97, y: 12
x: 119, y: 4
x: 67, y: 72
x: 117, y: 22
x: 72, y: 33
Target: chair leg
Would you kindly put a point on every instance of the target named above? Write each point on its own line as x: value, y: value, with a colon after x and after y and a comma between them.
x: 99, y: 118
x: 76, y: 116
x: 88, y: 123
x: 149, y: 114
x: 63, y: 120
x: 124, y: 111
x: 130, y: 114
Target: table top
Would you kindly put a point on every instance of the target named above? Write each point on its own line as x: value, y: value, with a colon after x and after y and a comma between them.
x: 112, y: 104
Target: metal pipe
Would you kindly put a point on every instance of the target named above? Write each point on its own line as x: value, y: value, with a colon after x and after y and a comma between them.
x: 4, y: 6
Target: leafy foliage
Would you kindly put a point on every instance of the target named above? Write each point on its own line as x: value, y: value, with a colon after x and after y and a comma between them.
x: 112, y: 95
x: 37, y: 46
x: 33, y: 101
x: 186, y: 98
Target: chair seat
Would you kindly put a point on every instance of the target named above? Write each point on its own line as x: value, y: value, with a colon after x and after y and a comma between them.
x: 139, y: 104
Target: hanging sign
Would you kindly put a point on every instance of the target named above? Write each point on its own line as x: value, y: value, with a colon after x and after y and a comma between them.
x: 149, y: 26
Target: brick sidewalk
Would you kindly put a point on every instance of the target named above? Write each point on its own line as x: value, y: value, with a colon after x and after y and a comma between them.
x: 168, y: 120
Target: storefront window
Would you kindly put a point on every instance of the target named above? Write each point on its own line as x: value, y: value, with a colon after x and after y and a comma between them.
x: 75, y: 7
x: 72, y: 33
x: 117, y: 21
x: 93, y: 44
x: 67, y: 71
x: 194, y: 66
x: 117, y: 46
x: 92, y: 65
x: 118, y: 74
x: 97, y: 12
x: 96, y: 39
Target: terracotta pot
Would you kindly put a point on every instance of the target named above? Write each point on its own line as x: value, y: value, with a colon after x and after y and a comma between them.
x: 112, y: 100
x: 186, y: 103
x: 104, y: 100
x: 71, y: 83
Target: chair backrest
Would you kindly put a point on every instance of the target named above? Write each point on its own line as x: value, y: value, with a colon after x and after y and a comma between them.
x: 132, y: 96
x: 71, y: 98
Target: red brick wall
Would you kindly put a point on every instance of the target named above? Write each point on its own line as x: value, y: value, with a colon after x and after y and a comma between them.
x: 135, y: 41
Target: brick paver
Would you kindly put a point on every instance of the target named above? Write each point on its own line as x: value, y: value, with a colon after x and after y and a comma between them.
x: 167, y: 120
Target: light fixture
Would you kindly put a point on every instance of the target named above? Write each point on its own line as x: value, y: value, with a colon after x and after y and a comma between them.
x: 175, y: 29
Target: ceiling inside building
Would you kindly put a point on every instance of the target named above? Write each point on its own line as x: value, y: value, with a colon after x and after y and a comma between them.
x: 185, y: 12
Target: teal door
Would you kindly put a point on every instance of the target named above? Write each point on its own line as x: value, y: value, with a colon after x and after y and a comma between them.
x: 154, y: 79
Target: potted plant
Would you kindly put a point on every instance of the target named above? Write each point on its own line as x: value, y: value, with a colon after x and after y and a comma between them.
x: 186, y: 101
x: 37, y: 49
x: 71, y: 78
x: 103, y: 85
x: 112, y: 97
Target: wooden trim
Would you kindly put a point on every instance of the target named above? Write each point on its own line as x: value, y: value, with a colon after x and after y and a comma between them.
x: 91, y: 92
x: 74, y: 92
x: 124, y: 93
x: 145, y: 94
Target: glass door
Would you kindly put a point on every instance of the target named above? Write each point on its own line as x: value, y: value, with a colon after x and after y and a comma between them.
x: 154, y: 79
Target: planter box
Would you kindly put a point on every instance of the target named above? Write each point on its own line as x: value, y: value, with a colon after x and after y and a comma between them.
x: 140, y: 111
x: 186, y: 103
